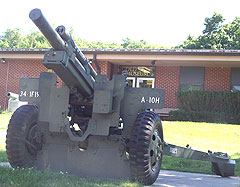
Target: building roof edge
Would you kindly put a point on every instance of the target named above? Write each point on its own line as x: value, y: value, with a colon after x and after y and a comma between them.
x: 219, y: 52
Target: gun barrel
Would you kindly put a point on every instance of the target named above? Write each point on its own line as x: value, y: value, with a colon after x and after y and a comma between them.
x: 12, y: 95
x: 61, y: 30
x: 51, y: 35
x: 77, y: 74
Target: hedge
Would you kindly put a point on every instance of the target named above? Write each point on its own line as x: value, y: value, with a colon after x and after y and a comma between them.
x: 208, y: 106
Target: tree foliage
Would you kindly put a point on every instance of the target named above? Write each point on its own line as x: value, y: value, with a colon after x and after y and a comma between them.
x: 216, y: 35
x: 81, y: 43
x: 13, y: 38
x: 36, y: 40
x: 142, y: 44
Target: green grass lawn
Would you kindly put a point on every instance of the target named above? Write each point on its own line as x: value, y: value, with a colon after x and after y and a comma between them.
x: 3, y: 155
x: 4, y: 119
x: 31, y: 177
x: 200, y: 136
x: 203, y: 137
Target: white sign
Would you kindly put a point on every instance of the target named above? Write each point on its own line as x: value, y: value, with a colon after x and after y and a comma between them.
x: 151, y: 100
x: 29, y: 94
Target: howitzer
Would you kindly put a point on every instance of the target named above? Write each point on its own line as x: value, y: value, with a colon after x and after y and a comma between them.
x: 91, y: 126
x: 13, y: 96
x: 13, y: 102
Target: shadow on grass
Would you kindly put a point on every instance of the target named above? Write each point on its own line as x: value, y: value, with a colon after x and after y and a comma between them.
x: 177, y: 164
x: 31, y: 177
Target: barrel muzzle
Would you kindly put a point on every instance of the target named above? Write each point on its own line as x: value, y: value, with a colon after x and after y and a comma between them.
x: 12, y: 95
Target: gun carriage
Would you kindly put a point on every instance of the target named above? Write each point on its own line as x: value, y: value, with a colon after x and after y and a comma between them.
x: 91, y: 126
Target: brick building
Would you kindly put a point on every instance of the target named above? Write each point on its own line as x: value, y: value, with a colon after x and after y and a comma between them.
x: 172, y: 69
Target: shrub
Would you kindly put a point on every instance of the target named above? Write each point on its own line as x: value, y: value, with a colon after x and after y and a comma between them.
x: 208, y: 106
x: 209, y: 101
x: 197, y: 116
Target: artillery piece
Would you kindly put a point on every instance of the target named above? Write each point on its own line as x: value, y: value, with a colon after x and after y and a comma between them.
x: 91, y: 126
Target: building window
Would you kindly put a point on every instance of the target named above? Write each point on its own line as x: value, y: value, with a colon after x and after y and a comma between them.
x: 191, y: 78
x: 235, y: 79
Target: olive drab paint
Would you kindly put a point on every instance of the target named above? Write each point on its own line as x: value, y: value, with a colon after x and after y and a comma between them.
x: 86, y: 126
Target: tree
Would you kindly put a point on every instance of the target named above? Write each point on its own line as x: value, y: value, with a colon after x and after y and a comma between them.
x: 36, y: 40
x: 216, y: 35
x: 233, y: 32
x: 142, y: 44
x: 128, y: 43
x: 213, y: 24
x: 12, y: 38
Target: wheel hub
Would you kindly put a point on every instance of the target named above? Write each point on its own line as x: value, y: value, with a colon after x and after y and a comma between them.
x: 33, y: 140
x: 155, y: 149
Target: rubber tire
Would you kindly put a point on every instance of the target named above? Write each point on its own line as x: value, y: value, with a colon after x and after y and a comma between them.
x: 20, y: 123
x: 139, y: 149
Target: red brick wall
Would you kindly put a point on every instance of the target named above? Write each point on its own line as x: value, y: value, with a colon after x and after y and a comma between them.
x: 3, y: 78
x: 168, y: 77
x: 217, y: 78
x: 104, y: 66
x: 27, y: 68
x: 17, y: 68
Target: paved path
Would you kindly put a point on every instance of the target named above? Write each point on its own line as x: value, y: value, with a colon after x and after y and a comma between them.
x: 184, y: 179
x: 5, y: 164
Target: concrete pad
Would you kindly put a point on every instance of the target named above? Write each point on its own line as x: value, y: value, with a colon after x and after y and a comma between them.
x: 184, y: 179
x: 5, y: 164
